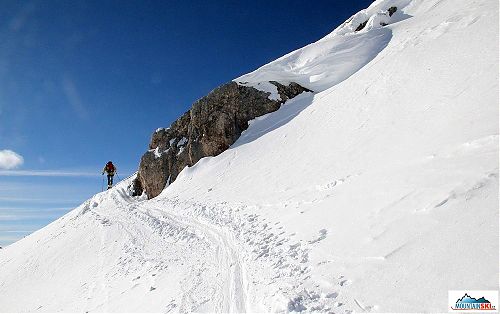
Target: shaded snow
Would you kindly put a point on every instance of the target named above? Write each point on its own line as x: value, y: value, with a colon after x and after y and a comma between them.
x: 265, y: 87
x: 324, y: 63
x: 335, y: 57
x: 182, y: 142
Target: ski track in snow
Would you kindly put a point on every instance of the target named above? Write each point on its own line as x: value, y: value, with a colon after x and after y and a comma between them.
x: 226, y: 291
x: 277, y: 269
x: 232, y: 259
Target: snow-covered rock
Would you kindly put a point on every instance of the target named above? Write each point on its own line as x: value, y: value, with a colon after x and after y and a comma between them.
x: 211, y: 126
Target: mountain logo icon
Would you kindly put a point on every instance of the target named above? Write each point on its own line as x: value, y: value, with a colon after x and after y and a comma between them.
x: 468, y: 303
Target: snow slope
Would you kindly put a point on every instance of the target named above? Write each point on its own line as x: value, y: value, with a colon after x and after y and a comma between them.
x: 335, y: 57
x: 379, y: 192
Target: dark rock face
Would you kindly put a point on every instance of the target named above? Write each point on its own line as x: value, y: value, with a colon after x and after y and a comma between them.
x: 213, y: 123
x: 392, y: 10
x: 361, y: 26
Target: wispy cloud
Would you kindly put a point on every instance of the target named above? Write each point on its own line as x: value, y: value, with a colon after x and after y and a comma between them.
x: 37, y: 200
x: 46, y: 173
x: 10, y: 159
x: 18, y: 21
x: 9, y: 239
x: 19, y: 225
x: 17, y: 214
x: 34, y: 210
x: 73, y: 97
x: 24, y: 217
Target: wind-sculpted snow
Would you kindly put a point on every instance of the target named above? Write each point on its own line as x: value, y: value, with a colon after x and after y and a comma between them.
x: 325, y: 63
x: 370, y: 196
x: 338, y: 55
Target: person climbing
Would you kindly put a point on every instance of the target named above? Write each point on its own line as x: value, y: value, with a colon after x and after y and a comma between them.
x: 110, y: 169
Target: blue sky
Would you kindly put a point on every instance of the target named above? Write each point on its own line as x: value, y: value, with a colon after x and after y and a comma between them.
x: 84, y: 82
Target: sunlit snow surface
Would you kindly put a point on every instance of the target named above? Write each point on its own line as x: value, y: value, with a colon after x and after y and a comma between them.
x: 379, y: 192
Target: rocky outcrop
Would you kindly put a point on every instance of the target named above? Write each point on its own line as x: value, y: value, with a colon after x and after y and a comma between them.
x: 213, y: 123
x: 361, y: 26
x: 379, y: 17
x: 392, y: 10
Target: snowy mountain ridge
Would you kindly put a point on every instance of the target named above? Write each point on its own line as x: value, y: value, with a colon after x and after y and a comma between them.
x: 335, y: 57
x: 363, y: 196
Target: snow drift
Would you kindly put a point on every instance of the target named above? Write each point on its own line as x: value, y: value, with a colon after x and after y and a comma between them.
x: 377, y: 193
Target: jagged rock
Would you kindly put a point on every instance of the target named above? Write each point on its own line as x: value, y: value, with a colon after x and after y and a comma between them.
x: 361, y: 26
x: 389, y: 12
x: 213, y: 123
x: 392, y: 10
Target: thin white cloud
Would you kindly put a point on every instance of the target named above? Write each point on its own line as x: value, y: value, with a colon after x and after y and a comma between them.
x: 38, y: 200
x: 73, y: 97
x: 20, y: 225
x: 33, y: 210
x: 19, y: 20
x: 9, y: 239
x: 46, y: 173
x: 24, y: 217
x: 31, y: 214
x: 10, y: 159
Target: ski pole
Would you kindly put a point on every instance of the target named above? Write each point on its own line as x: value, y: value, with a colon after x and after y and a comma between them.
x: 102, y: 184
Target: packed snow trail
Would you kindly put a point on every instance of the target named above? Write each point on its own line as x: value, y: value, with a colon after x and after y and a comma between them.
x: 161, y: 255
x: 140, y: 250
x: 219, y: 286
x: 233, y: 295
